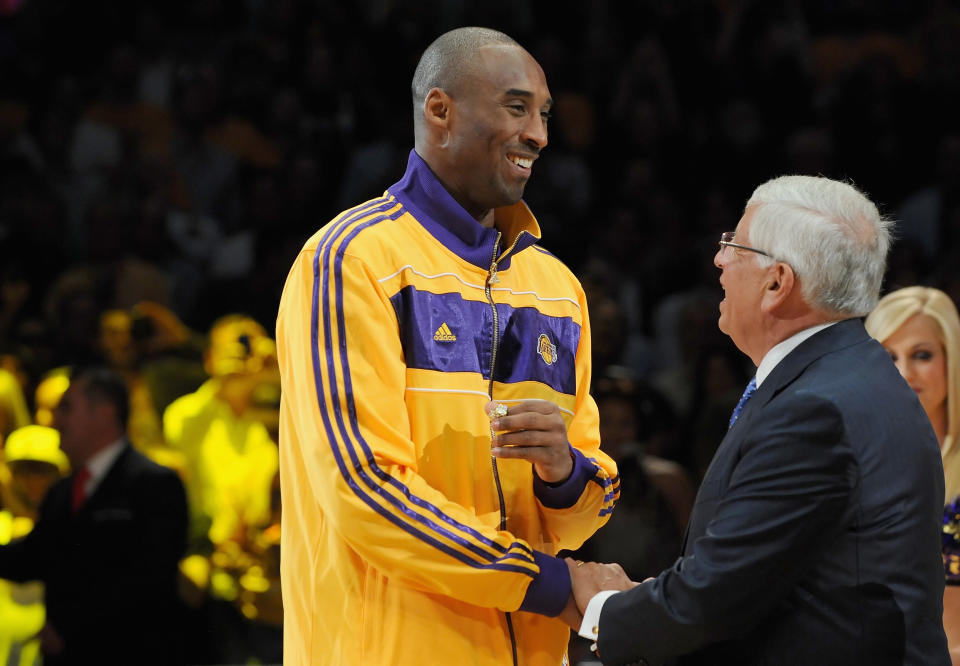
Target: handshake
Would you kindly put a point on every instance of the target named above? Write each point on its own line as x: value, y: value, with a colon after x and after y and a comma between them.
x: 587, y: 579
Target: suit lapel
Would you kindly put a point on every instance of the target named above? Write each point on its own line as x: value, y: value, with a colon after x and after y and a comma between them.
x: 842, y: 334
x: 105, y: 488
x: 839, y: 336
x: 56, y: 504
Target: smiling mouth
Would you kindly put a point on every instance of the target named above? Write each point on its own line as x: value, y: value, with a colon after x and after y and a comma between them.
x: 522, y: 162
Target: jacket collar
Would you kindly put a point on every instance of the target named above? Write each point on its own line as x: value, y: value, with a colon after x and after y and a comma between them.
x: 422, y: 193
x: 842, y: 334
x: 108, y: 474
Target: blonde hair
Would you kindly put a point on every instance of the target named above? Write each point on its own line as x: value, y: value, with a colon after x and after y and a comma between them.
x: 891, y: 313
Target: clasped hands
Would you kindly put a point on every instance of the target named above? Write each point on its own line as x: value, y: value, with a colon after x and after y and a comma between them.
x: 587, y: 579
x: 534, y: 430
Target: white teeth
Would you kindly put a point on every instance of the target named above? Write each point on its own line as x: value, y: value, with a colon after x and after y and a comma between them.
x: 524, y: 162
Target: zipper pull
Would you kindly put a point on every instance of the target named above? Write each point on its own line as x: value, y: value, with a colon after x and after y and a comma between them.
x: 492, y: 278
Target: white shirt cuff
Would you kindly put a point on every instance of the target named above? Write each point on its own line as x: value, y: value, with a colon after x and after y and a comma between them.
x: 591, y: 616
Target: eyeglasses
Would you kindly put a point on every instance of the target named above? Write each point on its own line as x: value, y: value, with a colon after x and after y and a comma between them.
x: 726, y: 240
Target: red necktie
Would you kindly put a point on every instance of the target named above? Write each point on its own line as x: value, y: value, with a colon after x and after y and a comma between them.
x: 79, y: 488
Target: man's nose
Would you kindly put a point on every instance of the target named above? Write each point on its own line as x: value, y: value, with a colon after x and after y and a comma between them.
x: 535, y: 132
x: 719, y: 257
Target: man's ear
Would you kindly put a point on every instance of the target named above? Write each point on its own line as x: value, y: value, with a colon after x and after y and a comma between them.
x: 779, y: 289
x: 437, y: 109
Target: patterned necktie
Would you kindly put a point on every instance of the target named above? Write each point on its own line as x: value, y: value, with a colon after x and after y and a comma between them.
x: 79, y: 489
x: 747, y: 394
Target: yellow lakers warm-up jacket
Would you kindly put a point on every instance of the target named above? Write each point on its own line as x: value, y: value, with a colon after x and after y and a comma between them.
x: 404, y: 542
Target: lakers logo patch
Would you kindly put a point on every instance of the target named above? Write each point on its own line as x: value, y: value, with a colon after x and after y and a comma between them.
x: 444, y: 334
x: 546, y: 349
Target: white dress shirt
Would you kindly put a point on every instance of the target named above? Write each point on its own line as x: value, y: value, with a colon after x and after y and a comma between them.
x: 100, y: 463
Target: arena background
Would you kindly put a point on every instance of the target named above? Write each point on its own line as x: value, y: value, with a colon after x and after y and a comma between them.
x: 180, y: 153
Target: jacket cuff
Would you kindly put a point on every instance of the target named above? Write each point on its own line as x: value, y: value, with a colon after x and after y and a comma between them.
x: 549, y: 592
x: 565, y: 494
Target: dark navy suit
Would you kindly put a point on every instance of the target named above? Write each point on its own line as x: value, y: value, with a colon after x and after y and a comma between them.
x: 110, y: 569
x: 815, y: 537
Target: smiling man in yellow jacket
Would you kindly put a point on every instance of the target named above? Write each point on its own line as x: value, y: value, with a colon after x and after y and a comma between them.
x: 438, y: 443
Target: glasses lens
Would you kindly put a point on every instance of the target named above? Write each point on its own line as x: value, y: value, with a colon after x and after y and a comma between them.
x: 725, y: 237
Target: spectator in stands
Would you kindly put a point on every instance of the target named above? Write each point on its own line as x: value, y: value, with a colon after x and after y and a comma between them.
x: 13, y: 408
x: 107, y: 541
x: 34, y: 461
x: 230, y: 457
x: 920, y: 329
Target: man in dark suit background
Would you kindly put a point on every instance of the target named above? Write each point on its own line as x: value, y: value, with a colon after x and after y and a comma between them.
x: 108, y: 539
x: 815, y: 536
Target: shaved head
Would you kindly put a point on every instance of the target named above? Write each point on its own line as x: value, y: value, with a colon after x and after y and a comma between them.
x: 480, y: 111
x: 448, y: 61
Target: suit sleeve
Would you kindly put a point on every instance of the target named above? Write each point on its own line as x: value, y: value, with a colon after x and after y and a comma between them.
x: 343, y: 413
x: 574, y: 510
x: 162, y: 517
x: 794, y: 479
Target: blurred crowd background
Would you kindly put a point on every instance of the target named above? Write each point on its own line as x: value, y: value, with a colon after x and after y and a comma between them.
x: 161, y: 163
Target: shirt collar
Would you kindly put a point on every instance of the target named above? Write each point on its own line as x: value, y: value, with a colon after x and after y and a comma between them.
x: 101, y: 462
x: 422, y: 193
x: 780, y: 351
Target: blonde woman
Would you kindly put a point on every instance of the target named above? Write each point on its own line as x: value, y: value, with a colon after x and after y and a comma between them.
x: 920, y: 329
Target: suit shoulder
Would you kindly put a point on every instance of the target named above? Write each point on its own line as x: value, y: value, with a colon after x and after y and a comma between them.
x: 862, y: 372
x: 57, y: 495
x: 142, y: 467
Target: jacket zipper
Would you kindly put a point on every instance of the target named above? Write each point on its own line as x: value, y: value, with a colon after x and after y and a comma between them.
x: 493, y: 279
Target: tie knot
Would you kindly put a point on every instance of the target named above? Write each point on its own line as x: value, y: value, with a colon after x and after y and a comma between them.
x: 747, y: 394
x: 79, y: 493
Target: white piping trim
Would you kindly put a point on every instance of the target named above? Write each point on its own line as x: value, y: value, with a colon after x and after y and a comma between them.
x: 480, y: 393
x: 476, y: 286
x: 435, y: 390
